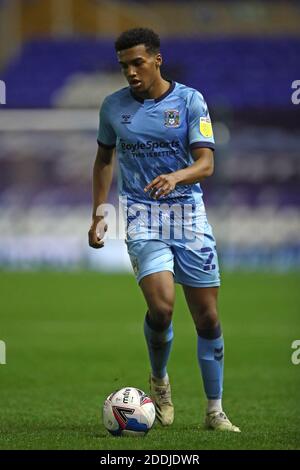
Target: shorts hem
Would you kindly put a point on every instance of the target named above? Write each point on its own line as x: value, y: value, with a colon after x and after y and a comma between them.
x: 199, y: 283
x: 152, y: 271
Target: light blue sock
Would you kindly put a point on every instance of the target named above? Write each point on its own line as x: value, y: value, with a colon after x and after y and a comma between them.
x: 211, y: 361
x: 159, y: 346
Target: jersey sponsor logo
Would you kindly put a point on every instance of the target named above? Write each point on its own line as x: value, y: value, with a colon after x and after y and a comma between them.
x: 151, y: 148
x: 149, y: 145
x: 171, y: 118
x: 205, y: 127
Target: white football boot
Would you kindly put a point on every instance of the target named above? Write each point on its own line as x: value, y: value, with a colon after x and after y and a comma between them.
x: 160, y: 393
x: 218, y: 421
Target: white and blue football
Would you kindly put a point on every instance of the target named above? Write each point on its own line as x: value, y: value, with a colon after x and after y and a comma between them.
x: 128, y: 412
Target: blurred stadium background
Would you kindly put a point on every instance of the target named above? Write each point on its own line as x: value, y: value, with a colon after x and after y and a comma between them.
x: 58, y: 63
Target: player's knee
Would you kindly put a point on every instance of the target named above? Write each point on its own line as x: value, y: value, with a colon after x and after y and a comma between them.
x: 161, y: 315
x: 207, y: 319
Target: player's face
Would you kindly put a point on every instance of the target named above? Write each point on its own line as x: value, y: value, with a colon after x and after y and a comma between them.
x: 140, y: 68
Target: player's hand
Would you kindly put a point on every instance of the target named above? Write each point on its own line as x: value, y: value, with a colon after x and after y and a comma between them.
x: 161, y: 186
x: 97, y: 232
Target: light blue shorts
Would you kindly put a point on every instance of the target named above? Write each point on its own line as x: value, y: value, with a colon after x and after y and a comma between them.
x: 193, y: 264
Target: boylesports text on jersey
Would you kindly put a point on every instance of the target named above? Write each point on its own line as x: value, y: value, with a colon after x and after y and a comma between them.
x: 151, y: 148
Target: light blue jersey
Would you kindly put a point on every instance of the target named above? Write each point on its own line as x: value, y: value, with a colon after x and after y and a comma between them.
x: 155, y: 136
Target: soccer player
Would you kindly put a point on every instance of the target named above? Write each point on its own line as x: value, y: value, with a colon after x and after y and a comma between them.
x: 164, y: 144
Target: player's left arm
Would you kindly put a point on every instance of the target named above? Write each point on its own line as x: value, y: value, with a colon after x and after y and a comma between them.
x: 202, y: 167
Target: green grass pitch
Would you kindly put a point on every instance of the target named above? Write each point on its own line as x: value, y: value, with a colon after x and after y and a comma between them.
x: 73, y: 338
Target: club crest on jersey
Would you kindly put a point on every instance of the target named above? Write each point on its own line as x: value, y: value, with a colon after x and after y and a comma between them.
x: 171, y: 118
x: 205, y: 127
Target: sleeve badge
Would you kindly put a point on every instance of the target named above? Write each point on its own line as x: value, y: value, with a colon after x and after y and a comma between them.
x: 206, y: 127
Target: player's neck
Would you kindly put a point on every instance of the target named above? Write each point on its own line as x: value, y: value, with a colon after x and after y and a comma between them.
x: 157, y: 89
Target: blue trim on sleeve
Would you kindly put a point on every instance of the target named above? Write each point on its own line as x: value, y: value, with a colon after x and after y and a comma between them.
x: 101, y: 144
x: 196, y: 145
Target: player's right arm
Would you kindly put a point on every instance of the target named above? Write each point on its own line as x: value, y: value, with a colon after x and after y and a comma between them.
x: 102, y: 178
x: 102, y: 173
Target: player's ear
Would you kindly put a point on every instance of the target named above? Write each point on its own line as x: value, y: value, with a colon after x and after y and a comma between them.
x: 158, y: 60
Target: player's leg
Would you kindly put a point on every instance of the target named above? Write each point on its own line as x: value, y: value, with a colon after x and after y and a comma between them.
x: 202, y: 302
x: 159, y: 293
x: 196, y: 267
x: 152, y: 261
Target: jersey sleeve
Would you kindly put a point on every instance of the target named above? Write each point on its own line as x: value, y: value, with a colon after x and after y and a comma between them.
x: 199, y: 123
x: 106, y: 134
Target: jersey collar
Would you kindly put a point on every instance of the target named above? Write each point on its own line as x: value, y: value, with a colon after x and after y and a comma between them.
x: 160, y: 98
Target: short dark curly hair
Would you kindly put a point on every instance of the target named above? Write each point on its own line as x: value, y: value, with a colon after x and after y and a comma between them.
x: 134, y: 37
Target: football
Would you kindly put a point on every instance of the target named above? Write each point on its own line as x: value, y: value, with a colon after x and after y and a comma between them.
x: 128, y: 412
